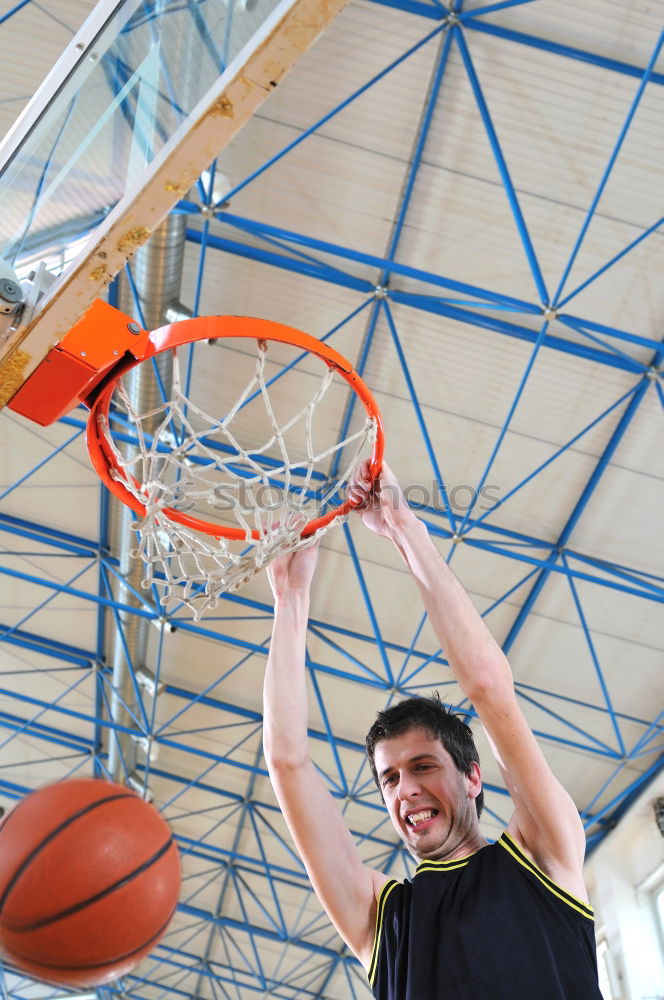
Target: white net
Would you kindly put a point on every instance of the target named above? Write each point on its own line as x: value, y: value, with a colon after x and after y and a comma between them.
x: 179, y: 458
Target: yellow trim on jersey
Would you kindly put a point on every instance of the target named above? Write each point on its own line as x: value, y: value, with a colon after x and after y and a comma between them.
x: 440, y: 866
x: 433, y: 865
x: 382, y: 899
x: 513, y: 848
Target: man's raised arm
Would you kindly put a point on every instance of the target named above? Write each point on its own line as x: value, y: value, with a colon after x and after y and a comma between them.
x: 546, y: 821
x: 346, y: 887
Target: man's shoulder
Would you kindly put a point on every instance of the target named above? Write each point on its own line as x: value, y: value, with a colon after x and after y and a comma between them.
x: 381, y: 881
x: 566, y: 874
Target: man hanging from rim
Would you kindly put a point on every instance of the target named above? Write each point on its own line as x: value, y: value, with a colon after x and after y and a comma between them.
x: 491, y: 921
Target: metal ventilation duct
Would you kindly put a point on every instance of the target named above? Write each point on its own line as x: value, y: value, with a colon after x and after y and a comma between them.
x: 157, y: 273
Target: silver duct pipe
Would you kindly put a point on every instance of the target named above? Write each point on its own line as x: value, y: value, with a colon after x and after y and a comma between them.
x: 157, y: 271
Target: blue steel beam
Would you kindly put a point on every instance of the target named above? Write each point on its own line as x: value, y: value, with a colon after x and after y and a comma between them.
x: 518, y: 332
x: 369, y: 606
x: 583, y: 328
x: 129, y: 663
x: 318, y: 270
x: 549, y: 564
x: 600, y: 744
x: 653, y: 732
x: 39, y: 731
x: 412, y: 392
x: 337, y: 647
x: 55, y: 589
x: 383, y: 265
x: 14, y: 10
x: 491, y: 8
x: 595, y: 748
x: 360, y: 364
x: 261, y: 932
x: 614, y: 260
x: 559, y: 451
x: 39, y: 465
x: 43, y: 707
x: 342, y: 786
x: 559, y: 49
x: 418, y: 153
x: 216, y: 975
x: 74, y: 592
x: 576, y: 513
x: 503, y: 169
x: 242, y: 887
x: 432, y: 11
x: 46, y: 535
x: 230, y: 874
x: 253, y: 814
x: 62, y: 651
x: 505, y: 425
x: 428, y: 303
x: 660, y: 391
x: 598, y: 669
x: 617, y: 807
x: 645, y: 79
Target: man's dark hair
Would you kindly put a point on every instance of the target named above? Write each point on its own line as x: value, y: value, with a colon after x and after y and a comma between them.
x: 436, y: 719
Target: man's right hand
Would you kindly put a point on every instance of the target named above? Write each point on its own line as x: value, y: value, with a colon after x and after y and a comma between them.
x: 293, y: 572
x: 381, y: 503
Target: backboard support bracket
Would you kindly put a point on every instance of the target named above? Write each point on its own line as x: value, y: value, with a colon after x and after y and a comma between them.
x: 71, y: 371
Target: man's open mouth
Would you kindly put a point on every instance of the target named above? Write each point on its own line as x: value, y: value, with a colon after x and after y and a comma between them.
x: 414, y: 819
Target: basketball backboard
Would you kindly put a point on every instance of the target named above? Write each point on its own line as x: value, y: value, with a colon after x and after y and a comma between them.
x: 143, y: 99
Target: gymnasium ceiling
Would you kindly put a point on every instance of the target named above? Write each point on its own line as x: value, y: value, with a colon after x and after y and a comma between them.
x: 473, y: 205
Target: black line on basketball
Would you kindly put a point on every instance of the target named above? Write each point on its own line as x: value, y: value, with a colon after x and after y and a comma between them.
x: 52, y: 835
x: 54, y: 917
x: 94, y: 965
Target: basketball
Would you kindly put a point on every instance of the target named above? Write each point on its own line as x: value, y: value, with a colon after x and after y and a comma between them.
x: 89, y: 881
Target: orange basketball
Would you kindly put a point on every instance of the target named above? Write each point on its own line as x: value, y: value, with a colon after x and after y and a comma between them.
x: 89, y: 881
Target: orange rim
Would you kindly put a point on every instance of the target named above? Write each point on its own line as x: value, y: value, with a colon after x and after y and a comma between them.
x: 191, y: 331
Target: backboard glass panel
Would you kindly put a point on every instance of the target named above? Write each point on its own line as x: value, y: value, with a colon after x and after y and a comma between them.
x: 145, y: 97
x: 135, y: 82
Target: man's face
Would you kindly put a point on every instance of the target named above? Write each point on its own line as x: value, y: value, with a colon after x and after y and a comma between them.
x: 431, y: 804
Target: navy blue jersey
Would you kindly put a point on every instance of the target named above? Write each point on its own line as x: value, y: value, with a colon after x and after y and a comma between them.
x: 490, y: 926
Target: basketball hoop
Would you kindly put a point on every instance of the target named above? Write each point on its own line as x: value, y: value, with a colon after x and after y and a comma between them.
x: 213, y: 508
